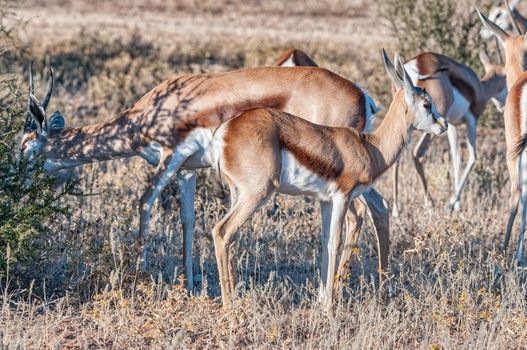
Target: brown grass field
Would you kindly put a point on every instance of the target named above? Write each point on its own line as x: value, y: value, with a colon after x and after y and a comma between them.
x: 450, y: 286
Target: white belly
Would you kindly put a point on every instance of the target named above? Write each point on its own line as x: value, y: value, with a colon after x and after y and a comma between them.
x: 459, y: 108
x: 203, y: 157
x: 296, y: 179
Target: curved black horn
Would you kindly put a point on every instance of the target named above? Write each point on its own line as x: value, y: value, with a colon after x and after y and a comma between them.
x: 50, y: 90
x: 31, y: 83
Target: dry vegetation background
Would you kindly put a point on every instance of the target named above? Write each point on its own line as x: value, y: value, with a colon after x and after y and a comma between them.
x: 450, y: 286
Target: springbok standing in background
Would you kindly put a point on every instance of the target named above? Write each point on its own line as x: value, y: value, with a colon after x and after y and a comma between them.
x: 171, y: 128
x: 460, y: 96
x: 499, y: 14
x: 297, y: 157
x: 515, y: 118
x: 367, y: 203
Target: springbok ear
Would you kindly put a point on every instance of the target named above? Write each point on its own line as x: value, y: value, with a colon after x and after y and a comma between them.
x: 493, y: 27
x: 401, y: 71
x: 484, y: 57
x: 390, y: 69
x: 36, y: 112
x: 56, y: 122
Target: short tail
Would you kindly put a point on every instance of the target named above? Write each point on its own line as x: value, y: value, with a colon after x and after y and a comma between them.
x: 518, y: 147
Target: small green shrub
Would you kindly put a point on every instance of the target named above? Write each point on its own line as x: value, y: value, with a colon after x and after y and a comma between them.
x: 28, y: 201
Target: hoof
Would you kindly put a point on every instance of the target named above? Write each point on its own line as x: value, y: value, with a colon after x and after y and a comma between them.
x: 454, y: 205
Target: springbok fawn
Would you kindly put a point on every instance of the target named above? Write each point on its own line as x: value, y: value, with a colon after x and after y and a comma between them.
x: 297, y: 157
x: 370, y: 203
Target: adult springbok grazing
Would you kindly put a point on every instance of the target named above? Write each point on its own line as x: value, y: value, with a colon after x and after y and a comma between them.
x: 171, y: 127
x: 297, y: 157
x: 499, y: 14
x: 368, y: 203
x: 515, y: 118
x: 460, y: 96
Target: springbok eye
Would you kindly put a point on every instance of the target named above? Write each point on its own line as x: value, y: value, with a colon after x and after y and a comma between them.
x: 428, y: 105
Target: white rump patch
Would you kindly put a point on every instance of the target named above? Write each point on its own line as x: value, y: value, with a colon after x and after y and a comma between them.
x: 290, y: 62
x: 459, y: 108
x: 371, y: 111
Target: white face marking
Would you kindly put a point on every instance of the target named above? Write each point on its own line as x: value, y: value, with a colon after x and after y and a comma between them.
x: 289, y: 62
x: 427, y: 118
x: 459, y: 108
x: 296, y: 179
x: 32, y: 148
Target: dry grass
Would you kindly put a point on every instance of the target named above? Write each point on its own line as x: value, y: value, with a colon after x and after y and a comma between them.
x: 450, y: 288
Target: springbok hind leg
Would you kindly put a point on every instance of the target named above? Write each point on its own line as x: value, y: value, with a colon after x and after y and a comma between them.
x: 379, y: 215
x: 395, y: 203
x: 417, y: 155
x: 247, y: 203
x: 470, y: 121
x: 335, y: 211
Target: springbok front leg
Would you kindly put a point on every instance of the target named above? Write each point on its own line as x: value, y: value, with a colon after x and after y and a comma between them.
x: 352, y: 228
x: 335, y: 211
x: 379, y: 215
x: 417, y: 155
x: 167, y: 169
x: 248, y: 200
x: 471, y: 144
x: 455, y: 154
x: 187, y: 189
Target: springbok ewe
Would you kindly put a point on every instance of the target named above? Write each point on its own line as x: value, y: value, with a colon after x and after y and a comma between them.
x: 515, y: 118
x: 353, y: 222
x: 297, y: 157
x: 500, y: 15
x: 460, y: 96
x: 171, y: 127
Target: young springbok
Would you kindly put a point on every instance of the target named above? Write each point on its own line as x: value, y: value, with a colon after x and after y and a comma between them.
x: 370, y: 202
x: 515, y: 118
x: 460, y: 96
x: 297, y: 157
x: 171, y: 128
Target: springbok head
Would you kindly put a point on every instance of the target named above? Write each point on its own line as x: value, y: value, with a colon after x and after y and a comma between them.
x: 515, y: 44
x: 38, y: 127
x: 499, y: 14
x: 418, y: 102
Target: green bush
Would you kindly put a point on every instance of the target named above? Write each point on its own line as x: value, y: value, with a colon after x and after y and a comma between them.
x: 28, y: 201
